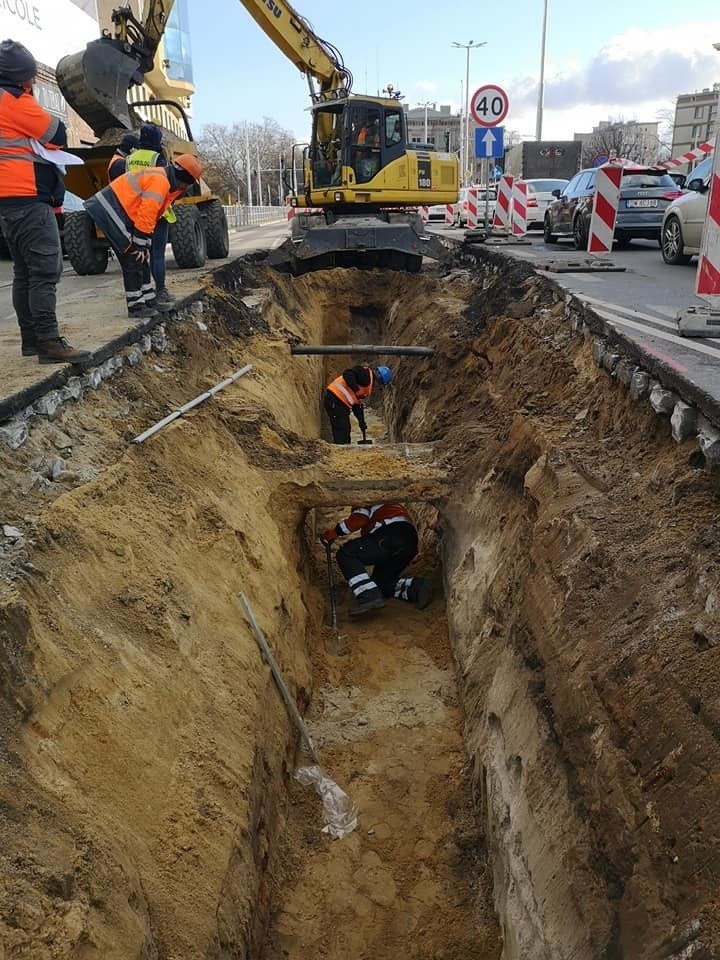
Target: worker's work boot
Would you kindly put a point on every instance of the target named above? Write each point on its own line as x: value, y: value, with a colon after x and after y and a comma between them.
x: 367, y: 601
x: 420, y: 592
x: 60, y: 351
x: 164, y: 300
x: 142, y: 312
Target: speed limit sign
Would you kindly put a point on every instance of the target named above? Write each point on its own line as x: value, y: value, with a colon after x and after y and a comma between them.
x: 489, y: 105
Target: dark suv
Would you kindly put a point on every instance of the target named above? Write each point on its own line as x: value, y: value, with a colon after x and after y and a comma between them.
x: 645, y: 192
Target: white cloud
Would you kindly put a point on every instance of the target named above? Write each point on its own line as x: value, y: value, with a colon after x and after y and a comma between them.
x: 632, y: 76
x: 425, y: 86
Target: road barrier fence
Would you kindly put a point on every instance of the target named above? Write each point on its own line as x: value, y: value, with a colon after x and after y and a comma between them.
x: 243, y: 216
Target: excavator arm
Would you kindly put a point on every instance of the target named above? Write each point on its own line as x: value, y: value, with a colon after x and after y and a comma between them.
x: 96, y: 80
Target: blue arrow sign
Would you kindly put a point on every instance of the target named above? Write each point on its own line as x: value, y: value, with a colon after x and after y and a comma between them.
x: 489, y: 142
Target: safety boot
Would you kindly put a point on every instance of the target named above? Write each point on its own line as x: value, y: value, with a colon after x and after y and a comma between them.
x: 142, y: 312
x: 367, y: 601
x: 164, y: 300
x: 59, y: 350
x: 420, y: 592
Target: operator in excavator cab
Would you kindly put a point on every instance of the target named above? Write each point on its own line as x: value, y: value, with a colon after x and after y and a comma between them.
x: 128, y: 210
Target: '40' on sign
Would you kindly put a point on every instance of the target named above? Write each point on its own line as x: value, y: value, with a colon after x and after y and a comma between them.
x: 489, y: 105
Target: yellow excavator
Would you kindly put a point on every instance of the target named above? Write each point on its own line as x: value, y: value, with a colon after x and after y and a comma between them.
x: 359, y: 170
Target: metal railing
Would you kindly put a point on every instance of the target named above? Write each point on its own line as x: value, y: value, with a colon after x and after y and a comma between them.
x: 241, y: 216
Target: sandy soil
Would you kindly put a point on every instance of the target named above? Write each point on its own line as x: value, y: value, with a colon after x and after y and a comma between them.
x: 146, y: 759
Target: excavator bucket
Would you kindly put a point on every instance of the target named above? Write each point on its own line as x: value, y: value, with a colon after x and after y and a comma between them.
x: 95, y: 83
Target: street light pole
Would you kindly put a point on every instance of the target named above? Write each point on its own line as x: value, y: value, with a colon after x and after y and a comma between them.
x: 465, y: 152
x: 541, y: 88
x: 426, y: 105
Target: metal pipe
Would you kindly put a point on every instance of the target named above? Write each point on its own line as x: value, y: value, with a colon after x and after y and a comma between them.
x: 366, y: 348
x: 541, y: 86
x: 191, y: 404
x: 277, y: 674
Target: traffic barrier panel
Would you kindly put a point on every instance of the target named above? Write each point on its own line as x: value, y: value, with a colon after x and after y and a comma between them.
x: 698, y: 153
x: 472, y: 209
x: 605, y: 207
x: 502, y: 215
x: 424, y: 214
x: 449, y: 214
x: 519, y: 208
x: 707, y: 283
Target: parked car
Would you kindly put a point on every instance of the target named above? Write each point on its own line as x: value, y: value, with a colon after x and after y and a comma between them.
x: 461, y: 207
x: 684, y: 219
x: 539, y: 197
x: 436, y: 213
x: 645, y: 193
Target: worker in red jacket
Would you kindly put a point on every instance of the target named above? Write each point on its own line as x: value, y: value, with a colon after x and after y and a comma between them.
x: 127, y: 211
x: 347, y: 392
x: 30, y: 189
x: 388, y: 542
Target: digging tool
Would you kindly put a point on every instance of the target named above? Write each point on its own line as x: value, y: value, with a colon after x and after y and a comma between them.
x: 364, y: 442
x: 338, y: 647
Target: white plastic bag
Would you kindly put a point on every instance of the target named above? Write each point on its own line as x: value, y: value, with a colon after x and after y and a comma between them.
x: 339, y: 812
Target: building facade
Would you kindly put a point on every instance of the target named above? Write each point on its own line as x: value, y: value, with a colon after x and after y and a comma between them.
x: 696, y: 119
x: 628, y: 138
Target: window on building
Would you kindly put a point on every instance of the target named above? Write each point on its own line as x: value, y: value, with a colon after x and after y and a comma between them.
x: 699, y: 113
x: 697, y: 132
x: 177, y: 44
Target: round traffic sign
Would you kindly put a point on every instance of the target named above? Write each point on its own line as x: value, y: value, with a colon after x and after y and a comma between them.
x: 489, y: 105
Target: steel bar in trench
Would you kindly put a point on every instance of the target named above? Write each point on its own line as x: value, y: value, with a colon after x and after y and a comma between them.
x: 365, y: 348
x: 191, y: 404
x: 277, y: 674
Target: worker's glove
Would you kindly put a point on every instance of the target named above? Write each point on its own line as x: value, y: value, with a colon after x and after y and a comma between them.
x: 327, y: 538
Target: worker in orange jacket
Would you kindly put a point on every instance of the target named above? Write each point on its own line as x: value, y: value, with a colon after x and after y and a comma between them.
x: 30, y: 189
x: 388, y: 541
x: 127, y: 211
x: 347, y: 392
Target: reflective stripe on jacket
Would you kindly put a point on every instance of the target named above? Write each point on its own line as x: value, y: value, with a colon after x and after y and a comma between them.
x: 22, y: 120
x: 349, y: 397
x: 143, y: 195
x: 367, y: 520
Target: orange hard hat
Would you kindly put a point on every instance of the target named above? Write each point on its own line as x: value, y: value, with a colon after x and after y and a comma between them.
x: 190, y: 164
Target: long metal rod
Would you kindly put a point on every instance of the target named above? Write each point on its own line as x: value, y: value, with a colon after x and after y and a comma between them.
x: 366, y: 348
x: 277, y: 674
x: 192, y: 403
x: 541, y: 85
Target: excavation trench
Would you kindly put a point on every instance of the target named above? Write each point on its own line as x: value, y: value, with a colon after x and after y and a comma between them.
x: 533, y: 756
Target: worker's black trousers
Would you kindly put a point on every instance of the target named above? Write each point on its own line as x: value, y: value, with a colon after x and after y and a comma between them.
x: 389, y: 550
x: 339, y: 415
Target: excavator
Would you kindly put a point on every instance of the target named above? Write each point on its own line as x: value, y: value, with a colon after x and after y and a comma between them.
x: 363, y: 184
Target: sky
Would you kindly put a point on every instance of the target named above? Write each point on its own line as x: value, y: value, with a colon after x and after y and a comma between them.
x: 611, y: 60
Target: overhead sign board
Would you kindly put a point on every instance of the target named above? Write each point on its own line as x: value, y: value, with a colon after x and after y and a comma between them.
x: 489, y: 142
x: 50, y: 29
x: 489, y: 105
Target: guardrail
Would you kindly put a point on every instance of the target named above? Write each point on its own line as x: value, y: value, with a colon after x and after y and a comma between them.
x: 240, y: 216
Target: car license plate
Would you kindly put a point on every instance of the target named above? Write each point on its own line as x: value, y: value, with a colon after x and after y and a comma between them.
x: 642, y: 203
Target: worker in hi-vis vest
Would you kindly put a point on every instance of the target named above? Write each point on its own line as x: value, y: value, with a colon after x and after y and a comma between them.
x: 149, y: 154
x: 347, y: 392
x: 128, y: 210
x: 388, y: 541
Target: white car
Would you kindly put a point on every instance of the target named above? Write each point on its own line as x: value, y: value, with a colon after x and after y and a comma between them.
x: 682, y: 226
x: 436, y: 213
x: 539, y: 195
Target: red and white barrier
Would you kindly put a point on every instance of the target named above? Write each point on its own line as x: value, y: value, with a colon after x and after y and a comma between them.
x: 472, y: 209
x: 699, y: 153
x: 503, y: 207
x: 605, y: 207
x: 449, y: 214
x: 424, y: 214
x: 519, y: 208
x: 707, y: 284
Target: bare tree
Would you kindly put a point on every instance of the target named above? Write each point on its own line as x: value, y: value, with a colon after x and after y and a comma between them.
x: 258, y: 151
x: 615, y: 139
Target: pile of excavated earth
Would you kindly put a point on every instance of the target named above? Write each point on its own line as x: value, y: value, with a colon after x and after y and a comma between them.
x: 534, y: 757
